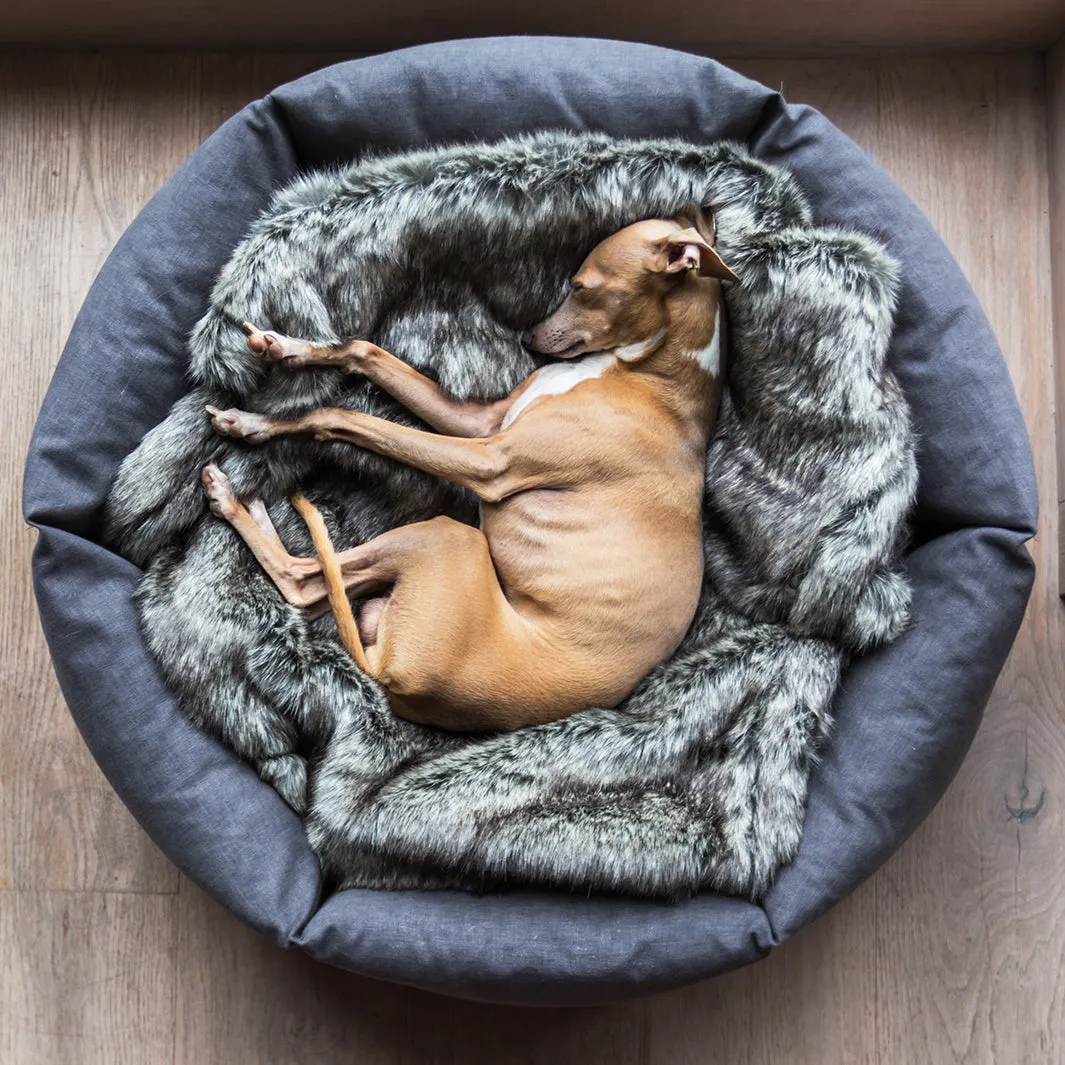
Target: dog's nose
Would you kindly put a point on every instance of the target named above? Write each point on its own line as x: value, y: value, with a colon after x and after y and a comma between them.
x: 526, y: 339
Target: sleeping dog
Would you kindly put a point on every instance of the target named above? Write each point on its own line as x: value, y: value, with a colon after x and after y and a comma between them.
x: 586, y: 569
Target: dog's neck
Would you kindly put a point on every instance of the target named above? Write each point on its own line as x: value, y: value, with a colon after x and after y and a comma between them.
x: 687, y: 358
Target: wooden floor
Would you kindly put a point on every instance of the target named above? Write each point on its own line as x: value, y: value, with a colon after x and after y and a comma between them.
x: 954, y: 952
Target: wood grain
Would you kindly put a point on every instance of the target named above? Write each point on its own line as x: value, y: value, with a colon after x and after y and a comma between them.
x: 68, y: 135
x: 760, y: 27
x: 969, y: 921
x: 954, y: 952
x: 87, y: 979
x: 1055, y: 102
x: 812, y: 1002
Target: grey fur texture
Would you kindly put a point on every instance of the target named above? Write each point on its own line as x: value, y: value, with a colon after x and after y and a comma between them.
x: 444, y: 256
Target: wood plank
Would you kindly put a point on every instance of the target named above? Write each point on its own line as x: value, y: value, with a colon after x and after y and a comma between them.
x: 762, y: 27
x: 88, y: 978
x: 1055, y: 77
x: 67, y: 137
x: 812, y: 1002
x: 970, y: 926
x: 242, y: 1001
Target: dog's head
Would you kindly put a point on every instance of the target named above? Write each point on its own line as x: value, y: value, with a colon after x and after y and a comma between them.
x: 617, y: 299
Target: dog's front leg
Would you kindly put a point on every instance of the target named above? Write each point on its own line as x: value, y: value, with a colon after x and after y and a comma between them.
x: 418, y: 393
x: 482, y: 465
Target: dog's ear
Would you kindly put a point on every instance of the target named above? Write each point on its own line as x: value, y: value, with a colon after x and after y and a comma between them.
x: 688, y: 249
x: 701, y: 219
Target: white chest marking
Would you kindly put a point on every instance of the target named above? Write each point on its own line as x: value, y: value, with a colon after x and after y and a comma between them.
x: 628, y: 352
x: 709, y: 358
x: 556, y: 378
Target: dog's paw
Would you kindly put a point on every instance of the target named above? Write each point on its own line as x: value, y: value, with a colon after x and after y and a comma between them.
x: 240, y: 424
x: 276, y: 346
x: 287, y: 775
x: 220, y: 495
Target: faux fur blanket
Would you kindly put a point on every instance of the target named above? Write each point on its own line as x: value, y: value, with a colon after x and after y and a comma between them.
x: 444, y: 256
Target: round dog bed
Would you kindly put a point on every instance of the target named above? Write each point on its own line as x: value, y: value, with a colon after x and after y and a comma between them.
x: 904, y: 717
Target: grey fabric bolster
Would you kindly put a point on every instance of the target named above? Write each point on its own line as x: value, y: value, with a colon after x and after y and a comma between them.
x: 905, y: 716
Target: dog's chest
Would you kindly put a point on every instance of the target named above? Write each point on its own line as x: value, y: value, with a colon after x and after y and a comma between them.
x: 556, y: 378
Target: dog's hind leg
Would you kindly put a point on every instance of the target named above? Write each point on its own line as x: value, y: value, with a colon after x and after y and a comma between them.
x: 296, y: 578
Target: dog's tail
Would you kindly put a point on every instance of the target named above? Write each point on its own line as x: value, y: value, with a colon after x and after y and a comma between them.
x: 347, y: 626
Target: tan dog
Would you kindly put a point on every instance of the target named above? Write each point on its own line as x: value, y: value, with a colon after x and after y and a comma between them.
x: 587, y: 568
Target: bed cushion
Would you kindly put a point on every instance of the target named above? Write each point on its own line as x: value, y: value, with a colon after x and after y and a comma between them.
x: 905, y: 716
